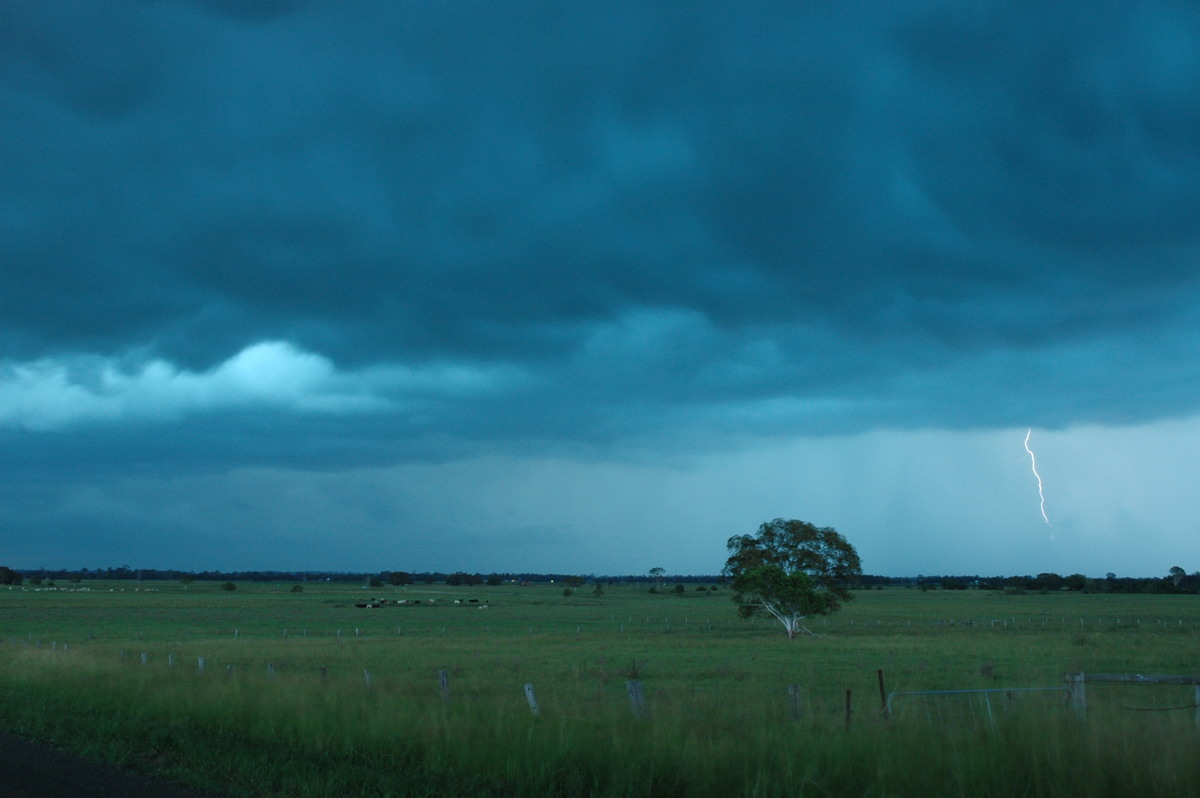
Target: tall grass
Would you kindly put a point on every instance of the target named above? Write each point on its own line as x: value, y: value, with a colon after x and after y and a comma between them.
x: 719, y: 719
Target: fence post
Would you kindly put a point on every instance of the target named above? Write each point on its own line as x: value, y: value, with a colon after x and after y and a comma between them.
x: 847, y: 709
x: 1075, y: 685
x: 795, y: 700
x: 200, y: 664
x: 367, y: 678
x: 533, y: 705
x: 444, y: 681
x: 636, y: 699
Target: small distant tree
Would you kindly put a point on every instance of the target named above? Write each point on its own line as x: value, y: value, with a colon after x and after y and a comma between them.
x: 297, y: 588
x: 680, y: 588
x: 598, y: 590
x: 9, y: 577
x: 657, y: 573
x: 229, y: 587
x: 1177, y: 574
x: 791, y: 570
x: 400, y: 578
x: 1075, y: 582
x: 494, y: 580
x: 1048, y: 581
x: 575, y: 581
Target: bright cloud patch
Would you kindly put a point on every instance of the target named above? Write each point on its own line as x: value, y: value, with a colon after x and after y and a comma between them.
x: 51, y: 394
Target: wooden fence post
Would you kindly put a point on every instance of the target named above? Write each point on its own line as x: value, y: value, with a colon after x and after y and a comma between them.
x: 795, y: 700
x: 1078, y: 693
x: 444, y: 681
x: 636, y: 700
x: 533, y: 705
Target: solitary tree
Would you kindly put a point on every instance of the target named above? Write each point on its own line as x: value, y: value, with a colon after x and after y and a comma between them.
x: 791, y: 570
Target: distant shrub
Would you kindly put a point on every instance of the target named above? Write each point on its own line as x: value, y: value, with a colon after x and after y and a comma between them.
x: 680, y: 588
x: 568, y: 591
x: 297, y: 588
x: 228, y: 586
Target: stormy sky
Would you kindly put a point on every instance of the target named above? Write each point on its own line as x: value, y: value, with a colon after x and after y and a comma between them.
x: 293, y: 284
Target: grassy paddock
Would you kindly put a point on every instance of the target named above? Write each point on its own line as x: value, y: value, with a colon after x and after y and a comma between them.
x: 303, y: 694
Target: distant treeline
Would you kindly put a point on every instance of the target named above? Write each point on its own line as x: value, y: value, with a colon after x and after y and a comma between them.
x: 1176, y: 580
x: 7, y: 576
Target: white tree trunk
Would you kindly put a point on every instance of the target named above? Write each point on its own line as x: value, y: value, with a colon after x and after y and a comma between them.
x: 790, y: 620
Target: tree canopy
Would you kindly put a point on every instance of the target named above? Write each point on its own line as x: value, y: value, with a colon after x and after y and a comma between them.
x: 791, y: 570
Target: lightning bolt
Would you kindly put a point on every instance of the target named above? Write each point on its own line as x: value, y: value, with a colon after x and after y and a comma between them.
x: 1033, y: 462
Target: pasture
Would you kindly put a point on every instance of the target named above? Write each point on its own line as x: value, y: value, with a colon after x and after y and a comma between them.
x: 305, y: 694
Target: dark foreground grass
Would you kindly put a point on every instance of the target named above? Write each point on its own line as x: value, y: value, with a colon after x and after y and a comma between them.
x: 1043, y: 756
x: 719, y: 720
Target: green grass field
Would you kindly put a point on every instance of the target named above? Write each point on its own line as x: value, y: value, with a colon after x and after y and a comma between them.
x: 303, y: 694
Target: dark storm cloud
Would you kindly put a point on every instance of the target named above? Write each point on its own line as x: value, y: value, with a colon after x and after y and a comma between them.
x: 636, y: 218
